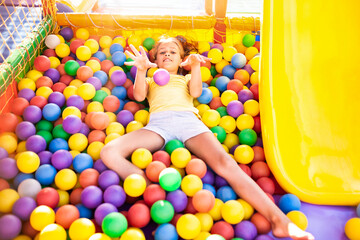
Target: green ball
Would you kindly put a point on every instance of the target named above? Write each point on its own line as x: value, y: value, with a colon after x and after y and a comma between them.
x: 222, y: 111
x: 213, y: 82
x: 126, y: 66
x: 100, y: 95
x: 44, y: 125
x: 216, y: 237
x: 148, y: 43
x: 162, y: 211
x: 59, y: 132
x: 248, y: 137
x: 172, y: 145
x: 213, y: 71
x: 114, y: 224
x: 219, y: 132
x: 71, y: 67
x: 248, y: 40
x: 170, y: 179
x: 46, y: 135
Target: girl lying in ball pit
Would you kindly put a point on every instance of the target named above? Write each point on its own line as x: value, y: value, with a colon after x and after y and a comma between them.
x: 173, y: 116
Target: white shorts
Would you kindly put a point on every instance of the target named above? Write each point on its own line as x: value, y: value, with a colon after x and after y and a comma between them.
x: 180, y: 125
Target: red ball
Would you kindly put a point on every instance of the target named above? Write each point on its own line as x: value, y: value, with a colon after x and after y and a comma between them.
x: 266, y: 184
x: 175, y: 218
x: 259, y: 154
x: 128, y: 83
x: 50, y: 53
x: 42, y: 63
x: 66, y: 215
x: 28, y: 230
x: 257, y: 124
x: 190, y: 206
x: 66, y: 79
x: 75, y: 44
x: 111, y: 103
x: 18, y: 106
x: 235, y: 84
x: 8, y: 122
x: 153, y: 170
x: 75, y: 196
x: 163, y: 157
x: 39, y: 101
x: 96, y: 136
x: 106, y: 65
x: 67, y: 58
x: 88, y: 177
x: 138, y: 215
x: 153, y: 193
x: 262, y: 225
x: 61, y: 69
x: 259, y: 169
x: 215, y: 103
x: 206, y: 64
x: 246, y: 169
x: 48, y: 196
x: 224, y: 229
x: 130, y: 93
x: 44, y: 81
x: 58, y: 87
x: 255, y: 90
x: 131, y: 106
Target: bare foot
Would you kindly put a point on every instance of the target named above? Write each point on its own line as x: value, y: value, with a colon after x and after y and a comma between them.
x: 285, y: 228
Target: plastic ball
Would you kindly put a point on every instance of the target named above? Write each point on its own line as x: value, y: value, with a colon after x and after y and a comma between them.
x: 141, y: 158
x: 138, y: 215
x: 188, y: 226
x: 180, y: 157
x: 91, y: 197
x: 102, y: 210
x: 8, y: 197
x: 298, y: 218
x: 161, y: 77
x: 115, y: 195
x: 114, y: 224
x: 166, y: 231
x: 53, y: 231
x: 244, y: 154
x: 65, y: 179
x: 51, y: 41
x: 99, y: 236
x: 82, y: 33
x: 62, y: 50
x: 116, y: 47
x: 248, y: 40
x: 191, y: 184
x: 48, y: 196
x: 78, y: 142
x: 263, y: 226
x: 232, y: 212
x: 118, y: 77
x: 221, y: 83
x: 41, y: 217
x: 81, y: 229
x: 170, y: 179
x: 206, y: 96
x: 148, y: 43
x: 248, y: 137
x: 61, y: 159
x: 82, y: 162
x: 216, y: 55
x: 203, y: 201
x: 10, y: 226
x: 133, y: 233
x: 66, y: 214
x: 162, y: 211
x: 134, y: 185
x: 228, y: 96
x: 28, y: 162
x: 124, y: 117
x: 251, y: 52
x: 118, y: 58
x: 352, y: 230
x: 71, y: 67
x: 245, y: 230
x: 8, y: 168
x: 245, y: 121
x: 153, y: 193
x: 255, y: 63
x: 238, y: 60
x: 172, y: 145
x: 86, y: 91
x: 211, y: 118
x: 197, y: 167
x: 178, y: 199
x: 289, y: 202
x: 105, y: 41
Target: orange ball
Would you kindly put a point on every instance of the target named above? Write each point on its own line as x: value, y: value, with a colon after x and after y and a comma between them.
x: 44, y: 81
x: 242, y: 75
x: 87, y: 119
x: 84, y: 72
x: 131, y: 106
x: 259, y: 154
x: 153, y: 170
x: 18, y: 106
x: 106, y: 65
x: 197, y: 167
x: 61, y: 69
x: 262, y: 225
x: 3, y: 184
x: 215, y: 103
x: 8, y: 122
x: 75, y: 196
x: 236, y: 85
x: 260, y: 169
x: 66, y: 215
x: 111, y: 103
x: 28, y: 230
x: 203, y: 201
x: 100, y: 120
x: 96, y: 136
x: 88, y: 177
x: 127, y: 83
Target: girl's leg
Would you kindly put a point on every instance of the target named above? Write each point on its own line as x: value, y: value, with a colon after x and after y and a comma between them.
x: 114, y: 153
x: 208, y: 148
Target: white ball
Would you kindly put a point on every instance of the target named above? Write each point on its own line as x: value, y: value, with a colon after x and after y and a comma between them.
x: 29, y: 188
x: 51, y: 41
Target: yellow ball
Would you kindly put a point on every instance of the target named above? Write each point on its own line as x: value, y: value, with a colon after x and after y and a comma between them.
x: 99, y: 236
x: 254, y: 78
x: 141, y: 158
x: 202, y: 108
x: 215, y: 91
x: 95, y: 107
x: 53, y: 231
x: 300, y: 219
x: 8, y: 197
x: 135, y: 40
x: 82, y: 33
x: 62, y: 50
x: 106, y: 51
x: 205, y: 74
x: 26, y: 83
x: 44, y: 92
x: 203, y: 236
x: 142, y: 116
x: 78, y: 141
x: 86, y: 91
x: 8, y: 142
x: 134, y: 185
x: 94, y: 65
x: 111, y: 137
x: 352, y: 228
x: 34, y: 74
x: 231, y: 140
x: 211, y: 118
x: 220, y: 65
x: 115, y: 127
x: 133, y: 125
x: 54, y: 62
x: 228, y: 96
x: 215, y: 54
x: 105, y: 89
x: 215, y: 212
x: 64, y: 197
x: 229, y: 52
x: 133, y: 234
x: 203, y: 46
x: 22, y: 237
x: 232, y: 212
x: 81, y: 229
x: 62, y: 39
x: 245, y: 121
x: 92, y: 44
x: 180, y: 157
x: 76, y: 82
x: 120, y: 40
x: 244, y: 154
x: 65, y: 179
x: 42, y: 216
x: 206, y: 221
x: 105, y: 42
x: 251, y: 107
x: 248, y: 209
x: 83, y: 53
x: 70, y: 91
x: 228, y: 123
x: 21, y: 147
x: 191, y: 184
x: 28, y: 162
x: 251, y: 52
x: 188, y: 226
x: 71, y: 111
x: 94, y: 149
x: 151, y: 71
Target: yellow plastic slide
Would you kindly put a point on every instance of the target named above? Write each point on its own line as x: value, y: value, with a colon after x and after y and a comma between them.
x: 310, y: 98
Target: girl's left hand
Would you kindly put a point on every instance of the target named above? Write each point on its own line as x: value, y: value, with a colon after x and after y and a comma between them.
x: 193, y: 59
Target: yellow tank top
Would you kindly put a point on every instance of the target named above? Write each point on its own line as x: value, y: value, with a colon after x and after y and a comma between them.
x: 174, y: 96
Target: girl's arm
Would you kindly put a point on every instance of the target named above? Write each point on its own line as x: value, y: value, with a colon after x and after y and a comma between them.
x: 195, y: 84
x: 142, y: 63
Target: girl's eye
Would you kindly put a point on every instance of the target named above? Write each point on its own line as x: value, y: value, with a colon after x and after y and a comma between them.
x: 162, y: 53
x: 173, y: 52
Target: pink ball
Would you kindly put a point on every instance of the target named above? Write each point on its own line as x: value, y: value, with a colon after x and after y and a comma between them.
x: 161, y: 77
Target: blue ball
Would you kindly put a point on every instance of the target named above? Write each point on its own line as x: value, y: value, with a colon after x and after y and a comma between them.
x: 221, y: 83
x: 21, y: 177
x: 81, y: 162
x: 51, y: 112
x: 102, y: 76
x: 45, y: 174
x: 209, y: 187
x: 226, y: 193
x: 100, y: 55
x: 238, y: 60
x: 58, y: 144
x: 115, y: 47
x: 228, y: 71
x: 206, y: 96
x: 166, y: 231
x: 84, y: 211
x: 358, y: 210
x: 119, y: 91
x: 289, y: 202
x: 118, y: 58
x: 129, y: 76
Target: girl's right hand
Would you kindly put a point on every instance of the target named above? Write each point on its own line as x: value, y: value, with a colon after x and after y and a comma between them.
x: 141, y: 61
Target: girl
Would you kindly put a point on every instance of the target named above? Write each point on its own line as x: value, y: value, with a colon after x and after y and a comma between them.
x: 173, y: 116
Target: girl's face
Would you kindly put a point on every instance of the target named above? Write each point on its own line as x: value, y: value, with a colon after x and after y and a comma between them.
x: 169, y: 57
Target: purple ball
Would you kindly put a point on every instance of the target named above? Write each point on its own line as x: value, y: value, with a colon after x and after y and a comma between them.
x: 36, y: 144
x: 118, y: 77
x: 115, y: 195
x: 24, y: 130
x: 66, y: 33
x: 96, y: 82
x: 124, y: 117
x: 10, y: 226
x: 133, y: 71
x: 100, y: 166
x: 81, y: 63
x: 72, y: 124
x: 45, y: 157
x: 84, y: 129
x: 232, y: 149
x: 249, y: 69
x: 53, y: 74
x: 205, y: 54
x: 264, y: 237
x: 23, y: 208
x: 245, y: 95
x: 61, y: 159
x: 218, y: 46
x: 161, y: 77
x: 32, y: 114
x: 75, y: 101
x: 235, y: 108
x: 26, y: 93
x: 246, y: 230
x: 91, y: 197
x: 8, y: 168
x: 209, y: 177
x: 220, y: 182
x: 3, y: 153
x: 102, y: 210
x: 259, y: 142
x: 58, y: 98
x: 108, y: 178
x: 178, y: 199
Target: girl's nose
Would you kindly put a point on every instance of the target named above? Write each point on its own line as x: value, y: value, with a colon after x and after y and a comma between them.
x: 167, y: 54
